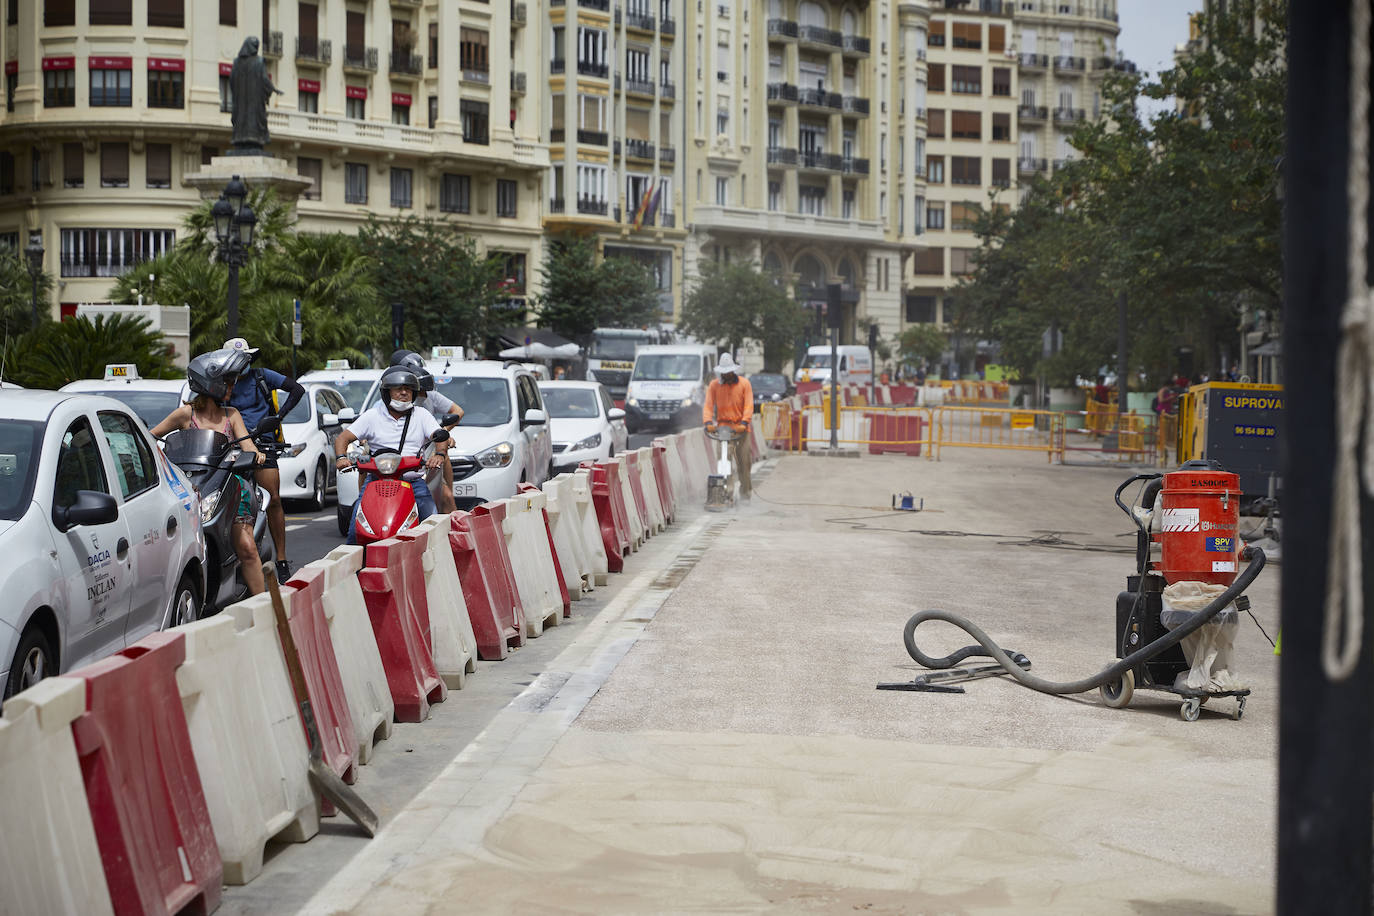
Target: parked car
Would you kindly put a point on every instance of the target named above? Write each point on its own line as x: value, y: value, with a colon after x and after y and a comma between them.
x: 307, y: 463
x: 151, y: 399
x: 101, y: 534
x: 770, y: 386
x: 584, y: 423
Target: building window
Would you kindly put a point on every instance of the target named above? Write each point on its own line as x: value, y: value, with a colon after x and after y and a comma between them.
x: 355, y: 183
x: 59, y: 88
x: 997, y: 38
x: 847, y: 204
x: 111, y: 252
x: 11, y: 87
x: 811, y: 200
x: 158, y: 158
x: 73, y: 165
x: 433, y: 45
x: 472, y: 51
x: 1001, y: 125
x: 474, y: 118
x: 313, y: 169
x: 962, y: 261
x: 59, y: 12
x: 929, y: 261
x: 1001, y: 173
x: 433, y: 111
x: 591, y: 51
x: 165, y: 89
x: 966, y: 80
x: 935, y: 124
x: 935, y: 169
x: 962, y: 216
x: 308, y: 102
x: 967, y: 35
x: 512, y: 272
x: 722, y: 191
x: 507, y: 193
x: 400, y: 113
x: 965, y: 170
x: 112, y: 12
x: 935, y: 77
x: 966, y: 125
x: 920, y: 309
x: 114, y: 165
x: 400, y: 188
x: 112, y: 88
x: 226, y: 93
x: 774, y: 196
x: 228, y: 12
x: 1001, y: 81
x: 935, y: 215
x: 6, y: 172
x: 167, y: 14
x: 455, y: 193
x: 207, y: 153
x: 356, y: 108
x: 722, y: 122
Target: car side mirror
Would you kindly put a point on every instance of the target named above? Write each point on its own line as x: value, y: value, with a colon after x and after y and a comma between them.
x: 268, y: 424
x: 534, y: 417
x: 615, y: 413
x: 328, y: 419
x: 91, y: 508
x: 347, y: 415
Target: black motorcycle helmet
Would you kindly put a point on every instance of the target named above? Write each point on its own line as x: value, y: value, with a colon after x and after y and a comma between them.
x: 415, y: 363
x: 398, y: 356
x: 399, y: 377
x: 209, y: 373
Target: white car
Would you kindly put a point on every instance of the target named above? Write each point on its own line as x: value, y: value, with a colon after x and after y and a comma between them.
x: 503, y: 440
x: 357, y: 386
x: 101, y: 534
x: 584, y: 423
x: 151, y: 399
x: 309, y: 430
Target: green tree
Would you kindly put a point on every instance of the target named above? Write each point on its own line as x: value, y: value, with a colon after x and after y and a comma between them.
x: 732, y: 303
x: 16, y: 295
x: 581, y: 295
x: 921, y: 344
x: 61, y: 352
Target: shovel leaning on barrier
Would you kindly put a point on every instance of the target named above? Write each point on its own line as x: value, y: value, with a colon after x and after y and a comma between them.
x: 324, y: 780
x: 943, y: 681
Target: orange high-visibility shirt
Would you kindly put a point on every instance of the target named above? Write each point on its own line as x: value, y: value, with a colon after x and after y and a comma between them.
x: 728, y: 403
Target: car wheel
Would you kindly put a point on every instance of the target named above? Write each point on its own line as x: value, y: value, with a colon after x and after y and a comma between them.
x: 186, y: 604
x: 344, y: 515
x: 33, y: 661
x: 317, y: 496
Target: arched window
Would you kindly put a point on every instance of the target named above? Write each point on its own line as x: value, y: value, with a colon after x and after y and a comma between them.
x: 849, y: 23
x: 775, y: 9
x: 772, y: 266
x: 813, y: 13
x: 847, y: 275
x: 810, y: 272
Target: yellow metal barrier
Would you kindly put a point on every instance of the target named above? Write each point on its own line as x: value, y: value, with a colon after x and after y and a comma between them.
x: 877, y: 429
x: 1167, y: 437
x: 998, y: 428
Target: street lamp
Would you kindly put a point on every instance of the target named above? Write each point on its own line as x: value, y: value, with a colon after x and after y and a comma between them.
x: 34, y: 254
x: 234, y: 224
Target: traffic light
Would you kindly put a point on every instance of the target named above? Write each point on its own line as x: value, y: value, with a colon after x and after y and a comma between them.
x: 872, y: 337
x: 834, y: 307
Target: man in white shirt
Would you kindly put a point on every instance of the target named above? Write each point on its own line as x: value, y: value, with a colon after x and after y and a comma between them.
x: 437, y: 404
x: 393, y: 423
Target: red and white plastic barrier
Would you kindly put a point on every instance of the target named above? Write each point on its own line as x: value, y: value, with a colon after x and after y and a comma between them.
x: 565, y: 530
x: 627, y: 499
x: 535, y: 576
x: 451, y: 636
x: 394, y: 588
x: 592, y: 542
x: 648, y: 486
x: 611, y: 513
x: 479, y: 552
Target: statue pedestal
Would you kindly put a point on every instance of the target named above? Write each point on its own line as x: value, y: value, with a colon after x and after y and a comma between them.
x: 256, y: 172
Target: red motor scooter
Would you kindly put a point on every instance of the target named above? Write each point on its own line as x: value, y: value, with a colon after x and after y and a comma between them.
x: 388, y: 503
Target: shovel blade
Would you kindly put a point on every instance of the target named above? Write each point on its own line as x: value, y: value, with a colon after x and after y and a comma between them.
x: 326, y: 782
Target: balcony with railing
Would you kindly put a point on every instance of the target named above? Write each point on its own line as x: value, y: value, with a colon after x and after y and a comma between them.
x: 1001, y: 182
x: 273, y: 45
x: 1029, y: 165
x: 667, y: 25
x: 826, y: 162
x: 591, y: 205
x: 856, y: 45
x: 476, y: 76
x: 779, y: 155
x: 820, y: 36
x: 1032, y: 112
x: 603, y: 5
x: 855, y: 105
x: 667, y: 219
x: 517, y: 82
x: 782, y: 29
x: 591, y: 68
x: 667, y: 89
x: 1124, y: 66
x: 415, y: 4
x: 557, y: 65
x: 852, y: 165
x: 641, y: 21
x: 639, y: 87
x: 311, y: 51
x: 819, y: 98
x: 592, y: 137
x: 407, y: 64
x: 1061, y: 163
x: 519, y: 15
x: 1030, y: 61
x: 556, y: 205
x: 666, y: 154
x: 782, y: 93
x: 1068, y: 115
x: 557, y: 134
x: 357, y: 58
x: 1069, y: 64
x: 636, y: 148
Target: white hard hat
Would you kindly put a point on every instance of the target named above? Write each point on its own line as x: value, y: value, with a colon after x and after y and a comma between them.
x: 238, y: 343
x: 726, y: 364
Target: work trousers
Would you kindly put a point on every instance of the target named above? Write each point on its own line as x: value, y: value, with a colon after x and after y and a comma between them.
x: 742, y: 459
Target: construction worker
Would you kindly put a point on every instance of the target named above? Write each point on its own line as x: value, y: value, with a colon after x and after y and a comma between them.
x: 730, y: 402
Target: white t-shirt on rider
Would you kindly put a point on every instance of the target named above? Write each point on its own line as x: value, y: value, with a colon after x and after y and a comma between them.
x: 379, y: 429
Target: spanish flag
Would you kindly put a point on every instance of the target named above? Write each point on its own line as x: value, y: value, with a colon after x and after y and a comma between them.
x: 643, y: 207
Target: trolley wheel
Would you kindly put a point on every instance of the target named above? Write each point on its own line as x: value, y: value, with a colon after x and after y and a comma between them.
x: 1190, y: 709
x: 1240, y: 708
x: 1117, y: 694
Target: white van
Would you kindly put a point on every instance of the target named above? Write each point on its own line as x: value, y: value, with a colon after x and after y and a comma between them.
x: 668, y: 386
x: 856, y: 365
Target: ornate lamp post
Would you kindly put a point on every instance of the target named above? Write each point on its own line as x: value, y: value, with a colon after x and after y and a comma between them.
x: 234, y: 225
x: 34, y: 261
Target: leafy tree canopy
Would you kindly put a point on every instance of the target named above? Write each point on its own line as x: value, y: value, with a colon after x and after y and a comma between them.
x: 80, y: 347
x: 732, y: 303
x: 581, y: 295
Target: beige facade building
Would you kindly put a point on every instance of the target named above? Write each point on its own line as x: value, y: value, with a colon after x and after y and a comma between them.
x: 394, y: 109
x: 1007, y: 84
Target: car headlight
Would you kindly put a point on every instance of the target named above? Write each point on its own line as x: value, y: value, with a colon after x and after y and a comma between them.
x: 208, y: 505
x: 295, y: 450
x: 591, y: 441
x: 687, y: 402
x: 498, y: 456
x: 632, y: 402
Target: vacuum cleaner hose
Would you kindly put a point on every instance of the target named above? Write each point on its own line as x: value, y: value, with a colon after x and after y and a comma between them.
x: 1254, y: 555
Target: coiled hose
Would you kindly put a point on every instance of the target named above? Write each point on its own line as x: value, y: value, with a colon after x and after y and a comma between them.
x: 1254, y: 555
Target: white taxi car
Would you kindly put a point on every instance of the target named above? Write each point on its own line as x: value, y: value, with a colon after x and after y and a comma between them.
x: 356, y: 385
x: 151, y: 399
x: 100, y: 533
x: 584, y: 423
x: 309, y: 430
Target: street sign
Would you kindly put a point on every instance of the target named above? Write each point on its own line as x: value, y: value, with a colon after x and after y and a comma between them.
x: 295, y: 333
x: 297, y: 319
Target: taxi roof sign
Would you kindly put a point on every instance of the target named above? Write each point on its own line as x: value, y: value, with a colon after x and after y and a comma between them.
x: 446, y: 353
x: 337, y: 364
x: 126, y: 371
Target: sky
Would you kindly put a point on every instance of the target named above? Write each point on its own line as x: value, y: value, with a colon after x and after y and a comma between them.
x: 1149, y: 31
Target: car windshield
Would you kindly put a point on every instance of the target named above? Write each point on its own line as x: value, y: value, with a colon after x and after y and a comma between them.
x: 816, y: 361
x: 667, y: 367
x: 485, y: 401
x: 768, y: 384
x: 301, y: 412
x: 354, y: 392
x: 621, y: 348
x: 152, y: 407
x: 570, y: 403
x: 20, y: 441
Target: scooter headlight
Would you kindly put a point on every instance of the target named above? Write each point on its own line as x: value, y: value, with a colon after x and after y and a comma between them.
x: 208, y: 506
x: 591, y: 441
x: 498, y: 456
x: 387, y: 464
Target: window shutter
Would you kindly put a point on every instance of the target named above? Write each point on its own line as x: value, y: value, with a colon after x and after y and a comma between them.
x: 114, y: 163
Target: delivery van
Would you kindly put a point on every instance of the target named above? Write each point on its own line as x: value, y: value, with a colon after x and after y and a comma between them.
x: 668, y: 386
x: 856, y: 365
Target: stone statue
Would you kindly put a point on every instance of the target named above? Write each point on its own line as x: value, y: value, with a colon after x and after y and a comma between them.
x: 252, y: 88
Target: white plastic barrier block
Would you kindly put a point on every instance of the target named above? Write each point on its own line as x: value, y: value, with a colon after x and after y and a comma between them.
x: 698, y: 466
x: 49, y: 860
x: 589, y: 526
x: 454, y: 644
x: 637, y: 532
x: 535, y: 577
x: 686, y: 470
x: 256, y: 788
x: 649, y: 486
x: 566, y: 529
x: 355, y: 648
x: 756, y: 431
x: 677, y: 472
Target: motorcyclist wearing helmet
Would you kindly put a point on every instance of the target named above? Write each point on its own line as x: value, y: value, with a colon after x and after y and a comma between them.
x: 255, y: 396
x: 438, y: 405
x: 211, y: 377
x: 394, y: 423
